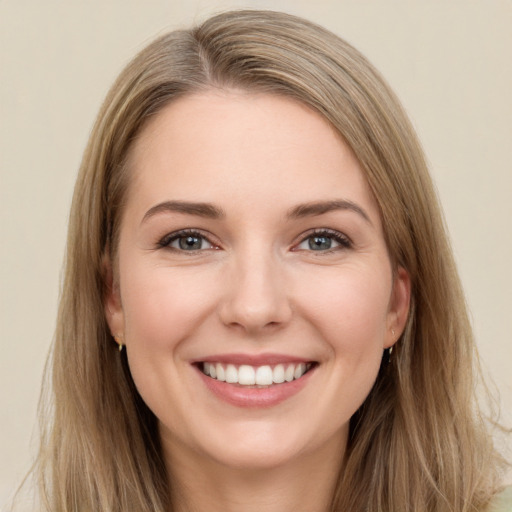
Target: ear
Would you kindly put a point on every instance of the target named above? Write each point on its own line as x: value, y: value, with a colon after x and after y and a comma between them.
x: 112, y: 300
x: 398, y: 307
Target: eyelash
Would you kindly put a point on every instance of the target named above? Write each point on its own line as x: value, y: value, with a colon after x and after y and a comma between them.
x: 167, y: 240
x: 343, y: 241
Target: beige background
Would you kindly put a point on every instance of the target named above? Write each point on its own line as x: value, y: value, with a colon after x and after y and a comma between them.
x: 449, y: 61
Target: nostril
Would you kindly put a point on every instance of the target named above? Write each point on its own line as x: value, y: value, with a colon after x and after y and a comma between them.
x: 252, y: 319
x: 255, y: 297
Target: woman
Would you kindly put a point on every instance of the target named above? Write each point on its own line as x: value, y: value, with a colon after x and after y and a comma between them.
x: 255, y: 226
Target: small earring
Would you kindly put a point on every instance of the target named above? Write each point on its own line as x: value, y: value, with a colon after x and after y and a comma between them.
x: 119, y: 341
x: 386, y: 357
x: 390, y: 349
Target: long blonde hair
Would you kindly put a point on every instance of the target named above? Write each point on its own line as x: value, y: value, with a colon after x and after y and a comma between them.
x: 419, y: 441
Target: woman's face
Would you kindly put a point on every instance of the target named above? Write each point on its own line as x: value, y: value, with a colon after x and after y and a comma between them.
x: 256, y: 295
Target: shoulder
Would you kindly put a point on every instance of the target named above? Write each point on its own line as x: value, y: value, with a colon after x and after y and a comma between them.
x: 503, y: 501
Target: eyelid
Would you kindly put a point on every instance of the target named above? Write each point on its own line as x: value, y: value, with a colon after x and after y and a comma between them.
x: 342, y: 239
x: 165, y: 241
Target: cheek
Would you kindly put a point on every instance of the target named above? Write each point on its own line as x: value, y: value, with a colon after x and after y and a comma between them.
x: 349, y: 306
x: 161, y: 305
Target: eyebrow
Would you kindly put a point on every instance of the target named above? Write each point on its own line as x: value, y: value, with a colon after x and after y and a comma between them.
x: 210, y: 211
x: 206, y: 210
x: 321, y: 207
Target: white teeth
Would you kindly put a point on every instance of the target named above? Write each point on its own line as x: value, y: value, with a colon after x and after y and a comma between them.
x: 247, y: 375
x: 231, y: 374
x: 221, y: 374
x: 299, y: 370
x: 278, y: 374
x: 264, y: 376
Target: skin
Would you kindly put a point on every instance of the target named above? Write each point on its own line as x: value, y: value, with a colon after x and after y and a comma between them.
x: 254, y: 286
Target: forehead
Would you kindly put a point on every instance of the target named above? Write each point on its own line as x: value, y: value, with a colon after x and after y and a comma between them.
x: 224, y: 145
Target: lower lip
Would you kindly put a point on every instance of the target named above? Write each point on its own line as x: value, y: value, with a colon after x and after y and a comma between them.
x: 242, y: 396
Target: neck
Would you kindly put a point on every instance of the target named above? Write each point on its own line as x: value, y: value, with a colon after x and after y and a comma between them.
x: 305, y: 483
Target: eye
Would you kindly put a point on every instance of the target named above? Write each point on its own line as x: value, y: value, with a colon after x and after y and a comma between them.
x: 186, y: 240
x: 323, y: 241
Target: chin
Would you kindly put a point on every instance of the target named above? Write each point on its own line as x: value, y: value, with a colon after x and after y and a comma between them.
x: 254, y: 457
x: 258, y: 445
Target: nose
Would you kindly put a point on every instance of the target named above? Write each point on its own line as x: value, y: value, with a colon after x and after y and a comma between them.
x: 255, y: 298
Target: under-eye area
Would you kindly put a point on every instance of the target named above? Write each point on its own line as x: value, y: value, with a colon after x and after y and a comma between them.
x: 257, y: 376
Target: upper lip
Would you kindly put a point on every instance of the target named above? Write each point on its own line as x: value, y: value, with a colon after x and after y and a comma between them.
x: 252, y: 359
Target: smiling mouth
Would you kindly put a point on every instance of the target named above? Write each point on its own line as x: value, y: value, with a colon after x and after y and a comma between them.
x: 255, y: 376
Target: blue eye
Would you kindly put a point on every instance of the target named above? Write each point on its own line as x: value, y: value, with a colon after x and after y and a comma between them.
x: 323, y: 241
x: 320, y: 243
x: 186, y: 241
